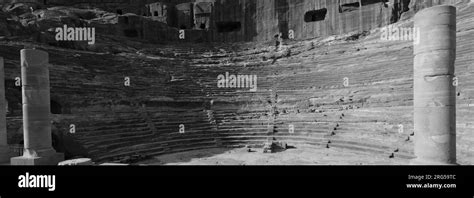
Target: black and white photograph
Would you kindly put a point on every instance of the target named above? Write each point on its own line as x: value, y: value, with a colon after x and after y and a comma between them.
x: 123, y: 84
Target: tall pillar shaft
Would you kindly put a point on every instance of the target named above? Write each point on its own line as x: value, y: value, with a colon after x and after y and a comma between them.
x: 434, y: 91
x: 3, y: 125
x: 5, y: 153
x: 38, y: 148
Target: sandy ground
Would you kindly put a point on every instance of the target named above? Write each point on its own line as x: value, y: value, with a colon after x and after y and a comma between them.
x: 302, y: 155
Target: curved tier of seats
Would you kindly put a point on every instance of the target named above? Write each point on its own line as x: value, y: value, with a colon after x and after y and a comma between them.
x: 372, y: 114
x: 301, y: 85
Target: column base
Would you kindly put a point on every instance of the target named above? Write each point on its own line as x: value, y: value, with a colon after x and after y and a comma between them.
x: 51, y: 159
x: 422, y: 162
x: 5, y: 154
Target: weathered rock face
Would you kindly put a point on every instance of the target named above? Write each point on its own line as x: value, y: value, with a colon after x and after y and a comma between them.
x: 3, y: 25
x: 300, y: 87
x: 246, y: 20
x: 115, y: 6
x: 160, y: 12
x: 261, y: 20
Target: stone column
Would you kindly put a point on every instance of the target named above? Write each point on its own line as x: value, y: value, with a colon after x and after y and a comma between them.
x: 5, y: 153
x: 36, y: 111
x: 434, y: 91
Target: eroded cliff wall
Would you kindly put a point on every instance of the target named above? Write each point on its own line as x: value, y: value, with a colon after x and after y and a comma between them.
x: 261, y: 20
x: 174, y: 85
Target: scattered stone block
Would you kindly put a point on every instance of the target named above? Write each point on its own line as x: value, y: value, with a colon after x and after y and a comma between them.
x: 114, y: 164
x: 274, y: 146
x: 77, y: 162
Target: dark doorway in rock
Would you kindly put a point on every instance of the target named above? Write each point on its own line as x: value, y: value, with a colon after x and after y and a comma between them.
x: 18, y: 148
x: 202, y: 26
x: 232, y: 26
x: 13, y: 95
x: 55, y: 142
x: 282, y: 8
x: 349, y: 7
x: 119, y: 12
x: 315, y: 15
x: 130, y: 33
x: 368, y: 2
x: 155, y: 13
x: 55, y: 107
